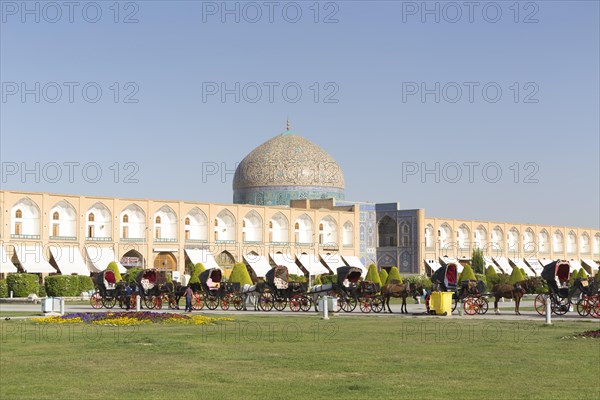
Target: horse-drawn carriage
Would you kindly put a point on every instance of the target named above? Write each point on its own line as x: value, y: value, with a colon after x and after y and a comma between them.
x: 471, y: 293
x: 150, y: 284
x: 216, y: 292
x: 277, y: 292
x: 108, y: 290
x: 561, y: 295
x: 445, y: 279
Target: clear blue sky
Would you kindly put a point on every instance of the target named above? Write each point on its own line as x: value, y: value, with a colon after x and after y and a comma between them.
x: 375, y: 56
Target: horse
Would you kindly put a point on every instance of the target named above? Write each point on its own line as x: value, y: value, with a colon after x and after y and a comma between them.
x: 400, y: 290
x: 508, y: 291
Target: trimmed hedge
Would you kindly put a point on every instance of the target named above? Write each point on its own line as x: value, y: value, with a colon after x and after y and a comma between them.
x: 467, y: 274
x: 3, y: 288
x: 477, y: 261
x: 42, y: 291
x: 383, y: 276
x: 423, y: 280
x: 394, y: 275
x: 296, y: 278
x: 22, y: 285
x: 67, y: 285
x: 373, y: 275
x: 240, y: 274
x: 516, y: 276
x: 328, y: 278
x: 317, y: 280
x: 196, y: 271
x: 85, y: 283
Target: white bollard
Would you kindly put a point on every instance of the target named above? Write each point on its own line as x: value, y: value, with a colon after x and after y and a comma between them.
x: 138, y: 303
x: 460, y: 307
x: 62, y: 306
x: 548, y: 311
x: 325, y: 307
x: 11, y: 294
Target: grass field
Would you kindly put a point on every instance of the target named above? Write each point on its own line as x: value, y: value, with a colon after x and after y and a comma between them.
x: 279, y: 357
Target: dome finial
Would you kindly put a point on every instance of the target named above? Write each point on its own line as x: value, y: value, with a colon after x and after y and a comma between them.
x: 288, y: 125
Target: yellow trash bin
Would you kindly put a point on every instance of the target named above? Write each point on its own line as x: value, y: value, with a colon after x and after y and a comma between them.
x: 440, y: 303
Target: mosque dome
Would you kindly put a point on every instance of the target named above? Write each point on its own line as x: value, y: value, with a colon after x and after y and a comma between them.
x: 287, y: 167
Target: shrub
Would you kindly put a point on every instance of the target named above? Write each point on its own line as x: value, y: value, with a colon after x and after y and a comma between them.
x: 477, y: 261
x: 523, y: 273
x: 195, y: 274
x: 22, y: 285
x: 240, y: 274
x: 516, y: 276
x: 583, y: 274
x: 467, y: 274
x: 329, y: 278
x: 112, y: 266
x: 394, y: 275
x: 481, y: 277
x: 373, y: 275
x: 423, y: 280
x: 131, y: 274
x: 3, y: 288
x: 317, y: 280
x: 296, y: 278
x: 491, y: 276
x: 383, y: 276
x: 61, y: 285
x: 85, y: 284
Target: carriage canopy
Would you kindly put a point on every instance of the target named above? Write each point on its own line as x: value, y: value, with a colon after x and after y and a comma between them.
x: 213, y: 274
x: 149, y: 278
x: 106, y: 279
x: 352, y: 274
x: 448, y: 276
x: 556, y: 269
x: 278, y: 277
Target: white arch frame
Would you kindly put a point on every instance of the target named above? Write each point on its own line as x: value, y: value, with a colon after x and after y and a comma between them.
x: 348, y: 234
x: 196, y: 225
x: 101, y: 226
x: 328, y: 236
x: 224, y: 229
x: 166, y: 229
x: 135, y: 227
x: 558, y: 242
x: 252, y: 227
x: 66, y: 224
x: 480, y: 236
x: 28, y: 225
x: 279, y: 229
x: 571, y: 242
x: 303, y: 233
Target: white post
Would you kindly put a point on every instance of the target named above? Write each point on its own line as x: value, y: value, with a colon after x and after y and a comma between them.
x: 548, y: 311
x: 325, y: 307
x: 138, y: 303
x: 460, y: 306
x: 11, y: 294
x: 62, y: 306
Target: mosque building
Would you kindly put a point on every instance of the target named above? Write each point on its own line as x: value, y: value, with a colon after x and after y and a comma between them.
x: 289, y: 208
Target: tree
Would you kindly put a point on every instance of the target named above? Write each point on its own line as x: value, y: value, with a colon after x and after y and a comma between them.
x: 583, y: 274
x: 394, y: 275
x: 516, y: 276
x: 477, y: 261
x: 383, y: 276
x: 373, y: 275
x: 195, y: 274
x: 467, y: 274
x: 317, y: 280
x: 240, y: 274
x: 112, y: 266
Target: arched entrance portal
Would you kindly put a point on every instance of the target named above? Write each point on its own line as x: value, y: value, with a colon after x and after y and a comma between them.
x: 165, y: 261
x: 133, y: 259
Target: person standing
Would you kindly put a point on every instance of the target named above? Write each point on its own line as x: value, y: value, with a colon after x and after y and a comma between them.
x: 188, y: 299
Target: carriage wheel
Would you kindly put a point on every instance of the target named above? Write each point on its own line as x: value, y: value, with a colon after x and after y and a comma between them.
x: 584, y: 306
x: 561, y: 307
x: 346, y: 303
x: 172, y: 302
x: 305, y: 303
x: 540, y: 303
x: 148, y: 302
x: 595, y: 309
x: 265, y: 301
x: 238, y: 302
x: 197, y: 301
x: 109, y: 302
x: 471, y: 306
x: 132, y: 301
x: 377, y: 304
x: 280, y: 303
x: 225, y: 301
x: 212, y: 302
x: 365, y: 304
x: 295, y: 303
x: 483, y: 305
x: 96, y: 300
x: 454, y: 302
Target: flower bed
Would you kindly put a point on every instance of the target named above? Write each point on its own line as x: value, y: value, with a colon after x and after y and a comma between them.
x: 129, y: 318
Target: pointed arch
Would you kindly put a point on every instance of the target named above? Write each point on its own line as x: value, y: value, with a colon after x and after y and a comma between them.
x: 348, y: 234
x: 63, y: 221
x: 445, y: 237
x: 429, y: 237
x: 196, y: 225
x: 584, y: 243
x: 224, y: 229
x: 480, y: 236
x: 252, y: 228
x: 26, y: 220
x: 571, y: 242
x: 387, y: 230
x: 328, y: 231
x: 165, y: 224
x: 543, y: 241
x: 497, y: 239
x: 558, y: 242
x: 279, y: 229
x: 133, y: 223
x: 98, y: 222
x: 303, y: 229
x: 463, y: 235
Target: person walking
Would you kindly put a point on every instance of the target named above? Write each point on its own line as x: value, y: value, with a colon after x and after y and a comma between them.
x: 188, y: 299
x: 128, y: 293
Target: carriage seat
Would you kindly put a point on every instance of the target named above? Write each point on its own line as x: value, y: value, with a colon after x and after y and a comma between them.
x: 280, y: 283
x: 248, y: 288
x: 109, y: 285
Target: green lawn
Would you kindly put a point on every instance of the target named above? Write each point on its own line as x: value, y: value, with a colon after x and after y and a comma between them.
x: 278, y: 357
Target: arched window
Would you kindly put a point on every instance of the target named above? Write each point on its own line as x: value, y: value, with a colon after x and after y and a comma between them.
x: 297, y: 226
x: 187, y: 220
x: 270, y: 224
x: 125, y: 218
x: 18, y: 214
x: 216, y: 222
x: 158, y: 219
x: 91, y: 217
x: 55, y: 216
